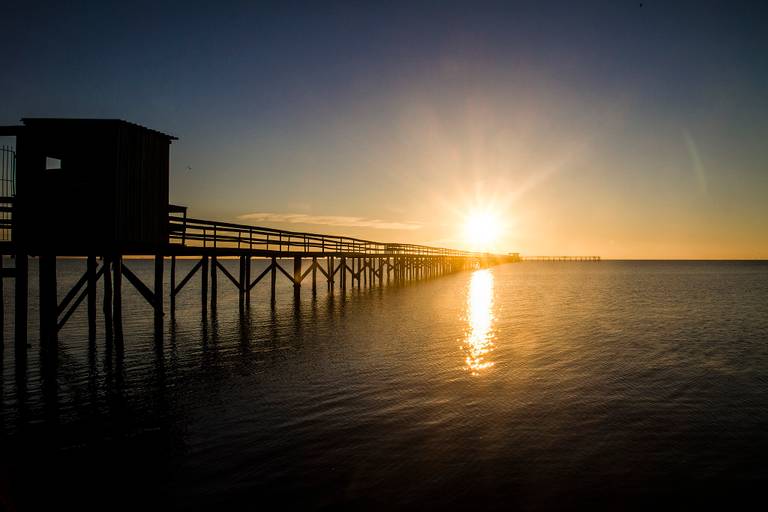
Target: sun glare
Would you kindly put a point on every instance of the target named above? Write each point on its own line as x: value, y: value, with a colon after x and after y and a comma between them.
x: 482, y: 230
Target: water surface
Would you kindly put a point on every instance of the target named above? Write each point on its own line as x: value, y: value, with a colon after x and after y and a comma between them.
x: 534, y: 386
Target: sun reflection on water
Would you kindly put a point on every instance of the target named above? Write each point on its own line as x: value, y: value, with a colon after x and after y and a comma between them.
x: 478, y: 343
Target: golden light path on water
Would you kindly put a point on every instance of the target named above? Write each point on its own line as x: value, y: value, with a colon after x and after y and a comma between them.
x: 478, y: 343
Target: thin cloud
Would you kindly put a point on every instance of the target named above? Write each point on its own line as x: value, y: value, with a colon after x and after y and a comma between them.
x: 328, y: 220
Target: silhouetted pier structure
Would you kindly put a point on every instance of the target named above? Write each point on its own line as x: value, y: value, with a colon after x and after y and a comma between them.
x: 560, y: 258
x: 98, y: 189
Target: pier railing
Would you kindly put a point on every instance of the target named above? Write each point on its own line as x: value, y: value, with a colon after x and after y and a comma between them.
x: 190, y: 232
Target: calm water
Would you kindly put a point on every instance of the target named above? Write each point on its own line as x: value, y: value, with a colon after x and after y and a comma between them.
x: 534, y: 386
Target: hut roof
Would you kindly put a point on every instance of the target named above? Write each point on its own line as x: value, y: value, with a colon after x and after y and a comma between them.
x: 75, y: 123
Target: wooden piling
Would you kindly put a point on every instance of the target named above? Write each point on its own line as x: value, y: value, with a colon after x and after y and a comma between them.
x: 247, y: 283
x: 173, y: 286
x: 273, y: 279
x: 107, y: 304
x: 48, y: 300
x: 214, y: 282
x: 241, y: 281
x: 2, y: 307
x: 204, y: 284
x: 117, y: 298
x: 296, y: 276
x: 314, y: 276
x: 159, y: 306
x: 21, y: 301
x: 91, y: 270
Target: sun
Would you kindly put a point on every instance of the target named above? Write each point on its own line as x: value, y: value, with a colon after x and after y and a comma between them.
x: 482, y: 230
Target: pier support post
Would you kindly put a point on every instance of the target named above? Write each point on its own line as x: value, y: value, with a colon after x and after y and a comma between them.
x: 173, y: 286
x: 247, y: 284
x: 20, y: 302
x: 359, y: 271
x: 2, y: 307
x: 204, y: 284
x: 107, y: 304
x: 273, y: 279
x: 296, y: 276
x: 214, y: 282
x: 91, y: 270
x: 242, y: 285
x: 48, y: 300
x: 314, y: 276
x: 117, y: 299
x: 159, y: 306
x: 343, y: 274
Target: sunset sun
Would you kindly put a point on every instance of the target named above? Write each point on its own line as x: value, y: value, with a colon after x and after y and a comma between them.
x: 482, y: 230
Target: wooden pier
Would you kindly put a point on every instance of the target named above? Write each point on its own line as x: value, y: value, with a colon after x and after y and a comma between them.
x: 560, y: 258
x: 109, y: 180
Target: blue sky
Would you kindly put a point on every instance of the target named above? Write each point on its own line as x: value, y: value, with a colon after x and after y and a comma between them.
x: 609, y: 128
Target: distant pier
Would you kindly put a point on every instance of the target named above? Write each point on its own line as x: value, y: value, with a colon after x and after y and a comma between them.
x: 560, y: 258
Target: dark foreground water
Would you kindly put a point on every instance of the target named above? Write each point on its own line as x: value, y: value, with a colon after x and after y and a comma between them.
x: 533, y: 386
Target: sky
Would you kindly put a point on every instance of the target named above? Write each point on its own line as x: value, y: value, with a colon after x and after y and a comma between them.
x: 623, y: 129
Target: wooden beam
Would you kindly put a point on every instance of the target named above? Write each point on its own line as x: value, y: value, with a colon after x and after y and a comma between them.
x: 229, y: 276
x: 322, y: 271
x: 143, y: 289
x: 176, y: 290
x: 266, y: 271
x: 72, y: 293
x: 285, y: 272
x: 71, y: 310
x: 91, y: 278
x: 309, y: 269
